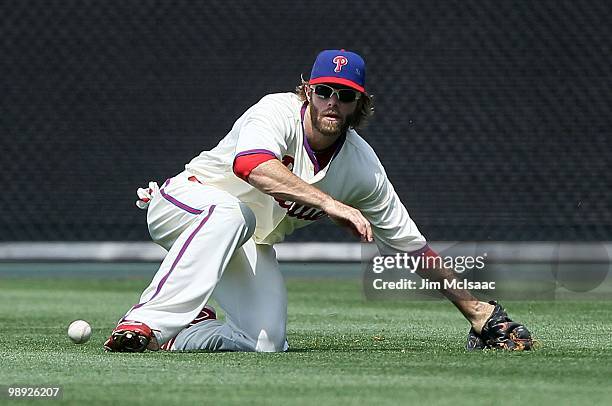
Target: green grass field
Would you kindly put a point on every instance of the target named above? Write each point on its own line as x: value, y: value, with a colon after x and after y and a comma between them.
x: 344, y: 350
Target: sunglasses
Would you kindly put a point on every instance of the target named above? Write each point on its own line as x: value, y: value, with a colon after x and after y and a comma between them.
x: 344, y: 95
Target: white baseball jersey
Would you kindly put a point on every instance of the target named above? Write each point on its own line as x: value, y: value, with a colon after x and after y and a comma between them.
x: 353, y: 176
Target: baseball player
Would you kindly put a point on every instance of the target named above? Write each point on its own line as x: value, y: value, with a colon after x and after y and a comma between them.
x: 288, y: 161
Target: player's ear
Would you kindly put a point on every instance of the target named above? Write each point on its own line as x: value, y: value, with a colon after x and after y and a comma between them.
x: 307, y: 91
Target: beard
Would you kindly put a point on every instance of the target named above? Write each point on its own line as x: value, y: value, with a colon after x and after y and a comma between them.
x: 325, y: 127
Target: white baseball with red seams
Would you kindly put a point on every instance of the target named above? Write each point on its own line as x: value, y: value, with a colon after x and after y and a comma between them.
x: 219, y: 230
x: 79, y: 331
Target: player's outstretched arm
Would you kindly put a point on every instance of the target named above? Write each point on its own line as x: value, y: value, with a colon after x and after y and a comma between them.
x: 491, y: 325
x: 274, y: 179
x: 475, y: 311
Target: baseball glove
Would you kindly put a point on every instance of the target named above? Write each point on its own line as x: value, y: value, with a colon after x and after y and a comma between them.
x: 500, y: 333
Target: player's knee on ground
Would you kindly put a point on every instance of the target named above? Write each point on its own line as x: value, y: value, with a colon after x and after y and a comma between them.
x: 270, y: 341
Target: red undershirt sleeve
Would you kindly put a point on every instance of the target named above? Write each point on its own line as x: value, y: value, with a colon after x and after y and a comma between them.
x: 426, y: 251
x: 244, y: 164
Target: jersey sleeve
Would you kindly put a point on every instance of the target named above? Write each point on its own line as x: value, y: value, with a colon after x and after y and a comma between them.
x: 265, y: 130
x: 244, y: 164
x: 393, y: 229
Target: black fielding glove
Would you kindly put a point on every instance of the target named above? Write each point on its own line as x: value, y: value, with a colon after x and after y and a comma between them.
x: 501, y: 333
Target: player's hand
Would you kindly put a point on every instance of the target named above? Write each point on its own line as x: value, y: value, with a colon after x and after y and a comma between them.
x: 351, y: 218
x: 500, y: 332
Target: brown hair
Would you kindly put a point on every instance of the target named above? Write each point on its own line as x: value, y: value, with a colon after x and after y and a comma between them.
x: 364, y: 110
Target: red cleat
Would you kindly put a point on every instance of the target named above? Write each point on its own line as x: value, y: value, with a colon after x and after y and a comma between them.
x: 131, y: 336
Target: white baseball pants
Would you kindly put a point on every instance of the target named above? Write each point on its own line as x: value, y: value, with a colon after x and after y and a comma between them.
x: 207, y: 233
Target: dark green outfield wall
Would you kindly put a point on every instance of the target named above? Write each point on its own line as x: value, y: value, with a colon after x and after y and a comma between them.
x: 493, y: 118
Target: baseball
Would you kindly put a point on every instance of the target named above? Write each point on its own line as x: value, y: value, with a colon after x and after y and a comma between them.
x: 79, y: 331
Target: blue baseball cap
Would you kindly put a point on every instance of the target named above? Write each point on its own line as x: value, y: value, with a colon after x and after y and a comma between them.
x: 341, y: 67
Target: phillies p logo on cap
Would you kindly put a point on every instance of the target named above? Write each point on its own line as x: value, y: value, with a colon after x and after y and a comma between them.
x: 340, y: 61
x: 341, y: 67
